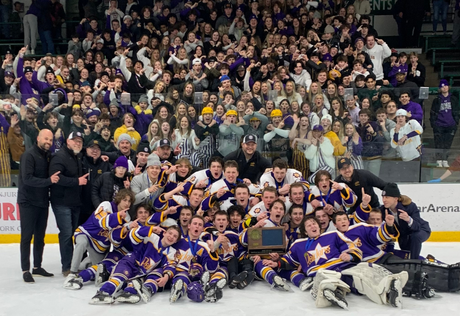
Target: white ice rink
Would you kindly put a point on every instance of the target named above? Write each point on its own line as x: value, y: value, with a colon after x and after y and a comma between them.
x: 47, y: 297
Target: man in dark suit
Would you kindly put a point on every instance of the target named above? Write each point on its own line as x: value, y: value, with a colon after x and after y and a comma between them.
x: 412, y: 228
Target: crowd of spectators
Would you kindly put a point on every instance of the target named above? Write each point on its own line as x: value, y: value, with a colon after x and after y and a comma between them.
x: 313, y: 82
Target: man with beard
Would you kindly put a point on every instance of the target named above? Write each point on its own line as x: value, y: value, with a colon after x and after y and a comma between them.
x: 165, y: 151
x: 124, y: 144
x: 66, y: 194
x: 251, y: 164
x: 33, y: 200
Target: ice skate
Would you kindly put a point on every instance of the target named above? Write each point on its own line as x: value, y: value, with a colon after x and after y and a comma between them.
x: 102, y: 275
x: 280, y: 284
x: 177, y: 291
x: 73, y: 282
x: 101, y: 298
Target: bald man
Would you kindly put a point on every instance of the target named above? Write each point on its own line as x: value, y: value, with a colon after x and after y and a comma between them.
x: 33, y: 201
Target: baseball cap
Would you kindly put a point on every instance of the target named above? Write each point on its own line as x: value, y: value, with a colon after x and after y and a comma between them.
x: 224, y: 78
x: 207, y: 110
x: 275, y: 113
x: 9, y: 74
x: 101, y: 41
x: 231, y: 112
x: 343, y: 162
x: 401, y: 112
x: 212, y: 59
x: 318, y: 128
x: 240, y: 68
x: 164, y: 142
x: 249, y: 138
x: 74, y: 135
x: 196, y: 61
x: 93, y: 143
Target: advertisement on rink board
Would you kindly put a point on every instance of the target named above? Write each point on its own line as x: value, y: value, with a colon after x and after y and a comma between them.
x: 10, y: 216
x: 438, y: 204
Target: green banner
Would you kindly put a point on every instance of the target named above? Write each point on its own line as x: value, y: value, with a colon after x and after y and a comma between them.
x: 382, y: 7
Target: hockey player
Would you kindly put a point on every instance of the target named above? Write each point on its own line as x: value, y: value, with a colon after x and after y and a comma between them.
x: 332, y: 194
x: 368, y: 238
x: 169, y: 204
x: 93, y: 235
x: 153, y: 259
x: 204, y: 178
x: 272, y: 219
x: 121, y: 247
x: 227, y: 245
x: 281, y: 177
x: 224, y: 189
x: 295, y: 215
x: 242, y: 198
x: 193, y: 258
x: 298, y: 195
x: 324, y: 253
x: 269, y: 194
x: 182, y: 171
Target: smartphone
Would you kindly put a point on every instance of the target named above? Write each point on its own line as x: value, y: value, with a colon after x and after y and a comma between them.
x: 53, y: 99
x: 125, y: 99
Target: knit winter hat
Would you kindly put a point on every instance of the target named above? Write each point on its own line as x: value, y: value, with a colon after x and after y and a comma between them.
x: 391, y: 189
x: 121, y: 161
x: 153, y: 160
x: 327, y: 117
x: 143, y: 98
x: 124, y: 137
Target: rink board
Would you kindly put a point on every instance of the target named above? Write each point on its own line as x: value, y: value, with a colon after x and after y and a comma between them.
x: 439, y: 204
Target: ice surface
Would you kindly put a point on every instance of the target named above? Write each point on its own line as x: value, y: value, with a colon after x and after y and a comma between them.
x: 47, y: 297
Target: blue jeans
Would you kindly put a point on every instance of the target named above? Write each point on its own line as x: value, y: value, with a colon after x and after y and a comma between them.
x: 440, y: 8
x: 47, y: 42
x: 67, y: 222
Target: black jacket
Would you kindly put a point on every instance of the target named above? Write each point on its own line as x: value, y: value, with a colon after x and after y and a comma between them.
x: 95, y: 170
x: 436, y: 107
x: 34, y: 180
x: 66, y: 192
x: 251, y: 169
x: 105, y: 187
x: 367, y: 180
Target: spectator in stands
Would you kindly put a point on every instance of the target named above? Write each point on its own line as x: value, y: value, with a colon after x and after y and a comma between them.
x: 414, y: 110
x: 251, y: 164
x: 66, y: 194
x: 412, y: 228
x: 444, y: 118
x: 33, y: 200
x: 15, y: 142
x: 378, y: 50
x: 413, y: 12
x: 440, y: 8
x: 362, y: 7
x: 45, y: 26
x: 372, y: 138
x: 320, y: 153
x: 354, y: 144
x: 405, y: 137
x: 417, y: 71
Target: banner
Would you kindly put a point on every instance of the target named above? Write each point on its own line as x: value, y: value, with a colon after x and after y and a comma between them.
x: 382, y: 7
